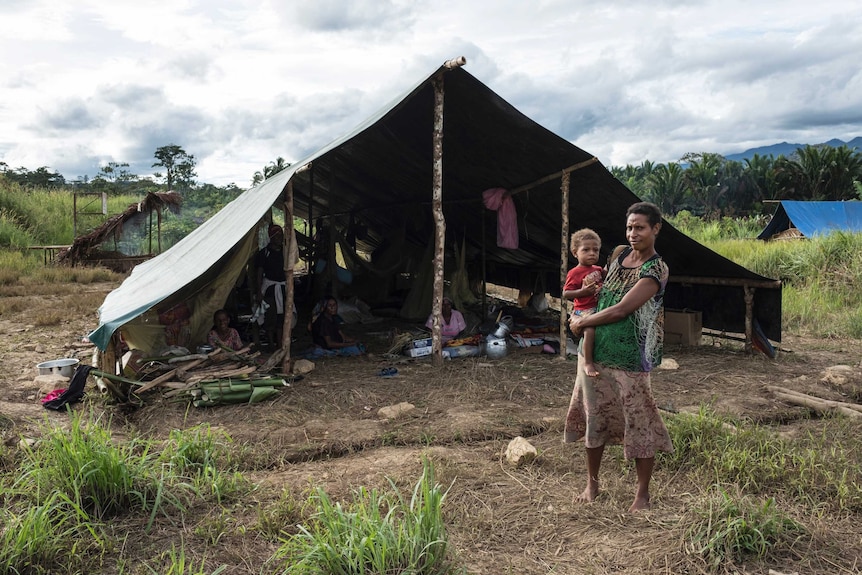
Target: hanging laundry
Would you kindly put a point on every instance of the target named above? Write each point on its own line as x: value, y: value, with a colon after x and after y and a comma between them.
x: 499, y: 200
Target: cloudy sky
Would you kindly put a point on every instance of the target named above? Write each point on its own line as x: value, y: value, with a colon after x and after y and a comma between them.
x: 238, y: 84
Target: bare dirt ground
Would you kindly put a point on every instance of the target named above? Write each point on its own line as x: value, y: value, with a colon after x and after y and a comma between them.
x: 325, y: 431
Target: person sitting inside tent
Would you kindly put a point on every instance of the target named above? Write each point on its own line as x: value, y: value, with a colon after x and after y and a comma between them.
x: 451, y: 321
x: 222, y: 334
x: 327, y: 335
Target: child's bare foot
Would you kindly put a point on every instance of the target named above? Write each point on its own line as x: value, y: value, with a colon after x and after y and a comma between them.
x: 590, y: 369
x: 589, y: 494
x: 641, y: 503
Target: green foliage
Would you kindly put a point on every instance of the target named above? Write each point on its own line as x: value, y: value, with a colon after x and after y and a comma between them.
x: 714, y: 186
x: 820, y: 277
x: 202, y: 455
x: 709, y: 231
x: 732, y: 529
x: 85, y: 466
x: 178, y: 164
x: 39, y: 178
x: 174, y: 562
x: 74, y: 477
x: 375, y: 533
x: 282, y: 518
x: 49, y: 536
x: 13, y: 231
x: 38, y: 215
x: 269, y: 170
x: 820, y: 471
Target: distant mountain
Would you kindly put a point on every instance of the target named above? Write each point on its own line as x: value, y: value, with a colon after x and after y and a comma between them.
x: 786, y: 149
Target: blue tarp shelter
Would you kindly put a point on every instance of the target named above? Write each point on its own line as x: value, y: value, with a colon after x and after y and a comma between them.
x: 814, y: 218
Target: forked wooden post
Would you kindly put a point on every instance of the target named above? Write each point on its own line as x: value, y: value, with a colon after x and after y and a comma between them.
x: 564, y: 258
x: 437, y: 211
x: 289, y: 259
x: 439, y: 222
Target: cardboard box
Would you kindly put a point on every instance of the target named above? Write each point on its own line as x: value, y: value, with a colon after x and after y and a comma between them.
x: 682, y: 326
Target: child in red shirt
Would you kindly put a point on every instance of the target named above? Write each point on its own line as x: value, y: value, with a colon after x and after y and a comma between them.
x: 582, y: 285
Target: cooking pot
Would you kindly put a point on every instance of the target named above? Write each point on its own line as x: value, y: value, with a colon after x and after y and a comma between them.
x: 65, y: 367
x: 504, y: 326
x: 495, y: 348
x: 205, y: 349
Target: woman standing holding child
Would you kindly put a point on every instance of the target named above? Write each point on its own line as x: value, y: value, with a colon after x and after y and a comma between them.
x: 616, y: 405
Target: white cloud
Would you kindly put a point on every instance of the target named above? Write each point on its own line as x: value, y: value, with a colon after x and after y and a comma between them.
x: 239, y: 83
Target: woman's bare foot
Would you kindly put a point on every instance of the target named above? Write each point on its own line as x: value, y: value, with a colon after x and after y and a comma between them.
x: 641, y: 503
x: 590, y: 369
x: 590, y: 493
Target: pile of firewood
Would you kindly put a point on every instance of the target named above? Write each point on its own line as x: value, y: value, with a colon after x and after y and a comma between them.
x: 219, y: 377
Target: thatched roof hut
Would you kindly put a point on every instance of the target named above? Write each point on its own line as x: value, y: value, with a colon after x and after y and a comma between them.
x: 89, y: 248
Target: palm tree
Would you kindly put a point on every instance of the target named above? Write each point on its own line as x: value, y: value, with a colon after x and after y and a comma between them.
x: 667, y: 187
x: 761, y: 172
x: 846, y: 171
x: 270, y: 170
x: 824, y: 172
x: 704, y: 179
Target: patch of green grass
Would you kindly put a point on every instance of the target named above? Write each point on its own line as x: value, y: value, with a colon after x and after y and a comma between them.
x: 174, y: 562
x: 203, y: 456
x: 733, y: 529
x: 375, y: 533
x: 821, y: 472
x: 51, y: 536
x: 87, y: 467
x: 283, y: 517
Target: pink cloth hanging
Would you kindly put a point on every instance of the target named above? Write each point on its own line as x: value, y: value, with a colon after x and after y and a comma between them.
x: 498, y: 199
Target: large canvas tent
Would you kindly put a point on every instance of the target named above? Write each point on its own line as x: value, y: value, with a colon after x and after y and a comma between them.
x: 814, y: 218
x: 377, y: 182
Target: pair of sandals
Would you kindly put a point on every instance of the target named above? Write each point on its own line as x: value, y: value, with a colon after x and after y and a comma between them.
x: 388, y: 372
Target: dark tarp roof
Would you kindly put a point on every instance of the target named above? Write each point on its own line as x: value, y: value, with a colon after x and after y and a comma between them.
x: 814, y: 218
x: 379, y: 178
x: 385, y: 171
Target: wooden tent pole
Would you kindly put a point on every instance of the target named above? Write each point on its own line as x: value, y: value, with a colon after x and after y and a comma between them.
x: 289, y: 249
x: 484, y: 272
x: 439, y: 222
x: 310, y: 230
x: 437, y: 211
x: 749, y: 313
x: 564, y: 258
x: 553, y: 176
x: 150, y: 232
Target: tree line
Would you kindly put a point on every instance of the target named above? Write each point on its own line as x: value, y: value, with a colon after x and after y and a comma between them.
x: 702, y: 183
x: 712, y: 186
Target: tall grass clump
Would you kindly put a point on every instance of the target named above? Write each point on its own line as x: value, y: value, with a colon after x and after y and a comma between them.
x: 202, y: 456
x: 375, y: 533
x: 101, y: 477
x: 51, y: 536
x: 732, y: 529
